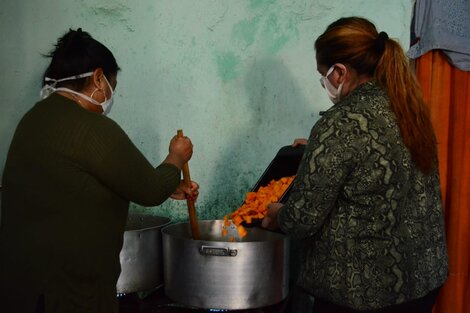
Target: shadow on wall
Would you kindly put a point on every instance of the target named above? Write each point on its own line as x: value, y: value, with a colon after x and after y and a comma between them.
x: 277, y: 112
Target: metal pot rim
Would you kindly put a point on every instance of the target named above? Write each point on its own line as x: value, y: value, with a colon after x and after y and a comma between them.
x: 278, y: 236
x: 166, y: 222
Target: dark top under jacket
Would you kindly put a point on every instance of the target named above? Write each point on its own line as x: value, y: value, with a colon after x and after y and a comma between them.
x: 68, y: 180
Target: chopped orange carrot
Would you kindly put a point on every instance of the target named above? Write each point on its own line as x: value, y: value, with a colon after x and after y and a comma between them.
x: 241, y: 231
x: 256, y: 203
x: 237, y: 220
x: 247, y: 219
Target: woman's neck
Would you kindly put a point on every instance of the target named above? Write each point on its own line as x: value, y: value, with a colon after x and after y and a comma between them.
x: 80, y: 101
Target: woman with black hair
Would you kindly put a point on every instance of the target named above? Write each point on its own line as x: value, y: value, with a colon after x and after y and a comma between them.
x: 68, y: 180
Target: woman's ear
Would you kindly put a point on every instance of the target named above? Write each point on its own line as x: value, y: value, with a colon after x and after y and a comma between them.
x: 98, y: 78
x: 343, y: 73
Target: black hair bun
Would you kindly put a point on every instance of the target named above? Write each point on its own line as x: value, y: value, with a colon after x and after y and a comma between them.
x: 70, y: 41
x: 78, y: 34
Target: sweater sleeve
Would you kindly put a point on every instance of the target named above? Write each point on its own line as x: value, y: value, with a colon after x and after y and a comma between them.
x: 327, y: 161
x: 116, y: 162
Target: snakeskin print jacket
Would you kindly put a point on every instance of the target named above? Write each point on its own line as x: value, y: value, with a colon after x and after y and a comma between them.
x: 368, y: 223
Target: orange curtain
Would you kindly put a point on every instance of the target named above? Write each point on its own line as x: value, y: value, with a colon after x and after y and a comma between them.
x: 447, y: 92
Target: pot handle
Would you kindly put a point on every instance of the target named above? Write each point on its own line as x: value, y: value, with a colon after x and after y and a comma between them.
x: 217, y: 251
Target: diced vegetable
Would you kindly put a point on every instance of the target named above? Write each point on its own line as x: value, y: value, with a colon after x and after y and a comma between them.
x: 256, y: 204
x: 241, y: 231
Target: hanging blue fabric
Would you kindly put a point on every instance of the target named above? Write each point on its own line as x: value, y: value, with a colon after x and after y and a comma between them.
x: 443, y: 25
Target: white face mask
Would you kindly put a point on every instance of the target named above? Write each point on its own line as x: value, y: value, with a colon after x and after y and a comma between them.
x: 333, y: 93
x: 106, y: 105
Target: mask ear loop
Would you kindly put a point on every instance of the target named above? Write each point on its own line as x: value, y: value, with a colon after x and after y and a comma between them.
x: 101, y: 90
x: 48, y: 89
x: 332, y: 68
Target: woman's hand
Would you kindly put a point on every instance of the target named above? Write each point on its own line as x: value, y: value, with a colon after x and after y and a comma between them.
x: 270, y: 219
x: 180, y: 151
x: 183, y: 192
x: 299, y: 141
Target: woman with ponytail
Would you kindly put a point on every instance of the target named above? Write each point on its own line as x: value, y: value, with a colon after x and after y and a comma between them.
x: 366, y: 200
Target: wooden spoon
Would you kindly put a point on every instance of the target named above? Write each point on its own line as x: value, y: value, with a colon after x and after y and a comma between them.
x: 190, y: 202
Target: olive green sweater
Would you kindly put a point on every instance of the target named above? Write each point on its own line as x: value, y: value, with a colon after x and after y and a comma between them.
x: 371, y: 223
x: 68, y: 180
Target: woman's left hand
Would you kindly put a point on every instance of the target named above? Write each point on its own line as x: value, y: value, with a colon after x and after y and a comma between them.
x: 270, y: 219
x: 183, y: 192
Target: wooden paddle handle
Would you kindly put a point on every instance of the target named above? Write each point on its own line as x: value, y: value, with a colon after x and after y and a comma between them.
x: 189, y: 202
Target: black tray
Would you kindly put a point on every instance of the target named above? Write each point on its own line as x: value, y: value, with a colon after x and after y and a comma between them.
x: 285, y: 163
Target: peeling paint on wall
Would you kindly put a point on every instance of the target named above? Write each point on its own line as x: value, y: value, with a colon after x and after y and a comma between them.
x: 112, y: 13
x: 228, y: 66
x: 280, y: 24
x: 270, y: 27
x: 244, y: 32
x: 260, y: 4
x: 275, y: 34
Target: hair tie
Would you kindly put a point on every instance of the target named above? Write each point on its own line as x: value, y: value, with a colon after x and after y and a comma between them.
x: 380, y: 42
x: 382, y: 36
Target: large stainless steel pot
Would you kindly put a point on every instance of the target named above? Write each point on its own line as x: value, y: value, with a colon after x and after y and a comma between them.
x: 141, y: 254
x: 217, y: 274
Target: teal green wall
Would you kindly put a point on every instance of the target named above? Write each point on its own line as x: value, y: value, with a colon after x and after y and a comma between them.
x: 238, y: 76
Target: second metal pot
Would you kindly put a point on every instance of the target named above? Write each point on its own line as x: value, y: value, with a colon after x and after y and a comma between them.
x: 213, y: 273
x: 141, y: 254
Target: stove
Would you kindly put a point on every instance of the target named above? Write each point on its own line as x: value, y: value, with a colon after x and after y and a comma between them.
x: 158, y: 302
